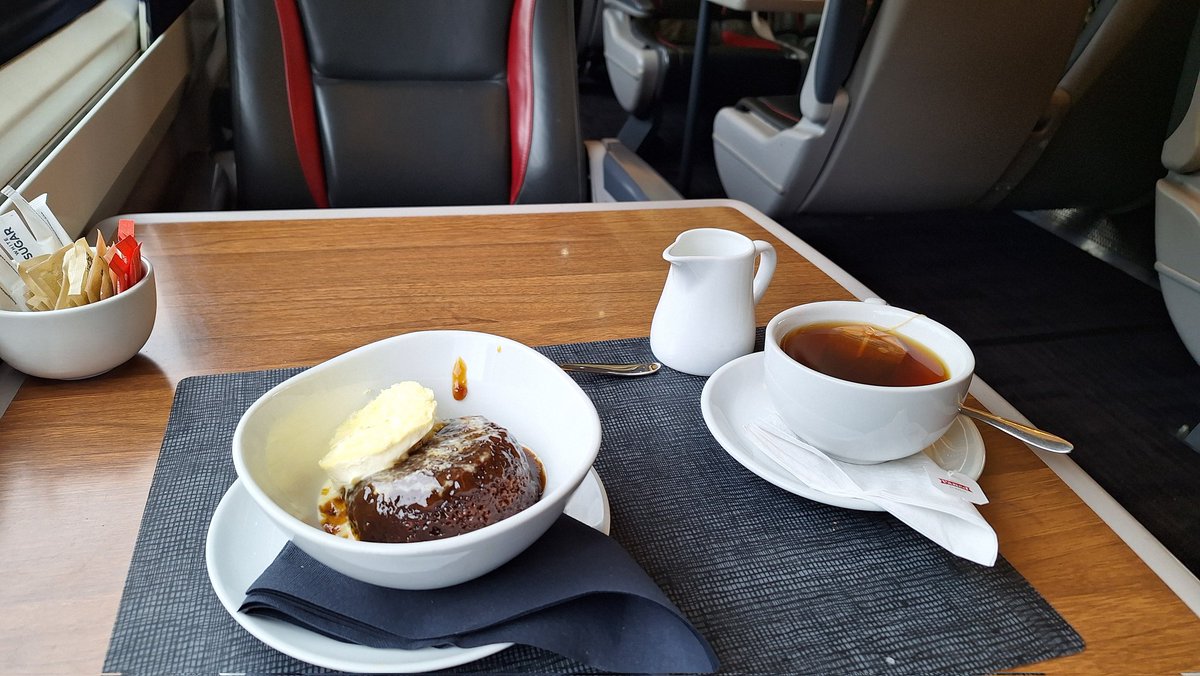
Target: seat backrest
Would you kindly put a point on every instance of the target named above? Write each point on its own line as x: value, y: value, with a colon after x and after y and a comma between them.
x: 1099, y: 145
x: 941, y: 96
x: 908, y: 105
x: 378, y: 103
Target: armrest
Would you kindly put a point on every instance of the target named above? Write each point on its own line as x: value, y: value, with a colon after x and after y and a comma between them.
x: 636, y: 8
x: 837, y: 42
x: 781, y: 112
x: 620, y: 175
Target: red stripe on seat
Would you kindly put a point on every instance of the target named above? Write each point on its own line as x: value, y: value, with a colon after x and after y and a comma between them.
x: 520, y: 91
x: 298, y: 76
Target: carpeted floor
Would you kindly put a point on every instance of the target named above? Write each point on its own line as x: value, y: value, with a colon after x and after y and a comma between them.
x: 1077, y: 345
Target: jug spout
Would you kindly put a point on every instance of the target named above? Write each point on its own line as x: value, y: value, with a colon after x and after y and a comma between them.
x: 682, y: 270
x: 705, y: 243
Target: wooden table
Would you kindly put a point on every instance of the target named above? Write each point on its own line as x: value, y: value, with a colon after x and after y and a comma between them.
x: 77, y: 457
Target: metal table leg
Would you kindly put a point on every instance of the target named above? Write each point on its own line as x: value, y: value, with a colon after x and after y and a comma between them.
x: 693, y: 102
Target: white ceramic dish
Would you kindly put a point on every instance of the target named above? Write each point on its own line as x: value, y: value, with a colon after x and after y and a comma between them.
x: 81, y: 342
x: 281, y: 436
x: 736, y: 395
x: 242, y: 542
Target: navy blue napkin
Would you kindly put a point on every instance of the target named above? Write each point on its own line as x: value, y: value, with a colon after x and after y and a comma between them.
x: 574, y: 592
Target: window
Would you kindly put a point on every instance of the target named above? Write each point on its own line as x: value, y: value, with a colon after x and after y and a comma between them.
x: 50, y: 84
x: 27, y: 22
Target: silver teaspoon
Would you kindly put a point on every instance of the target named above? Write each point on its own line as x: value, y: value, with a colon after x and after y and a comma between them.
x: 643, y: 369
x: 1030, y: 435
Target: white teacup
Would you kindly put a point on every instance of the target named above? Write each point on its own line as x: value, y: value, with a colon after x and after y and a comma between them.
x: 859, y: 423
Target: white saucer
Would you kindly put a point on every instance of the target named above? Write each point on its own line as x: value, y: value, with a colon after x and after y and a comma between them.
x: 242, y: 542
x: 736, y: 395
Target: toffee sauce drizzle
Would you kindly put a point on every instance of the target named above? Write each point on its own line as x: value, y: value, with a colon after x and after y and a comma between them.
x: 333, y: 514
x: 458, y: 380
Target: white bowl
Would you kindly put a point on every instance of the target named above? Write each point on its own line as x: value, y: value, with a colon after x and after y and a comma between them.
x: 81, y: 342
x: 282, y: 435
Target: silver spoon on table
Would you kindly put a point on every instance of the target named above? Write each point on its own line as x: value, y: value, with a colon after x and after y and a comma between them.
x: 642, y: 369
x: 1030, y: 435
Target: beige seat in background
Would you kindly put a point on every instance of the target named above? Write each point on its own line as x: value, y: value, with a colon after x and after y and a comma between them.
x: 1177, y: 209
x: 649, y: 54
x: 928, y: 114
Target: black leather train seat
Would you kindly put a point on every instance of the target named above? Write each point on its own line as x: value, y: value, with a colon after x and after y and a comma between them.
x: 384, y: 103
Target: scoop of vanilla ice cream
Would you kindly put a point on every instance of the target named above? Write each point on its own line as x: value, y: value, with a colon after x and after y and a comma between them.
x: 381, y: 433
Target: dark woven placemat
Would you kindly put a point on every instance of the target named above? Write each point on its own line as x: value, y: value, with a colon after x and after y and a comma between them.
x: 777, y: 583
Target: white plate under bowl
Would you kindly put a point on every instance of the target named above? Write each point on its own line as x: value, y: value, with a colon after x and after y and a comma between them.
x: 735, y: 395
x: 242, y: 542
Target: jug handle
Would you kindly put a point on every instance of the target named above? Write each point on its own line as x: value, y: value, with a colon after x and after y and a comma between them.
x: 766, y: 267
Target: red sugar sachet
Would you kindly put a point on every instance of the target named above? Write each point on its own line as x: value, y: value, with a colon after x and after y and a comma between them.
x: 124, y: 257
x: 124, y: 228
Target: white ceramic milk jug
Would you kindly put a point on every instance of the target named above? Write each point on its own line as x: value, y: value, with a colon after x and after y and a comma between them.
x: 705, y: 316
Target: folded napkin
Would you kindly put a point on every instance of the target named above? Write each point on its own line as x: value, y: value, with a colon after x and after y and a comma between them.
x: 905, y: 488
x: 575, y: 592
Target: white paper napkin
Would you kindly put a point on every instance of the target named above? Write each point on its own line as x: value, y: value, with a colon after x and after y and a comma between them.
x: 902, y: 487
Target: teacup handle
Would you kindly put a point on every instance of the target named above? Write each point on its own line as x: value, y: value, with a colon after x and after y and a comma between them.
x: 766, y: 267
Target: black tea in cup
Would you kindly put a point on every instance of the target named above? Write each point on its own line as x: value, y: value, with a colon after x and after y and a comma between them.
x: 864, y: 353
